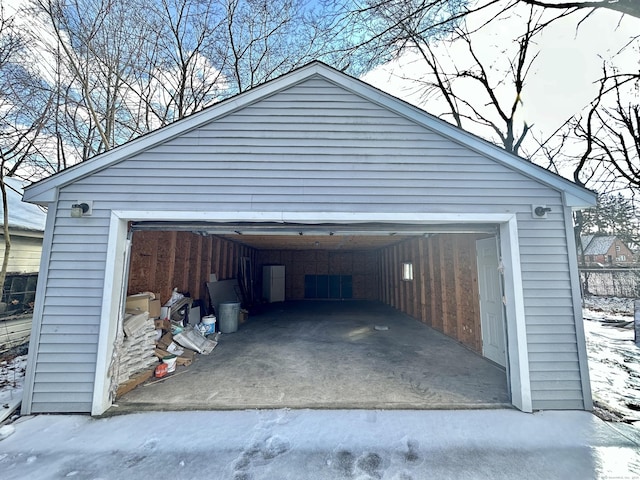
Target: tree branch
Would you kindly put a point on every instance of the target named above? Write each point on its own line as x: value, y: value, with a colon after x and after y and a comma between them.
x: 628, y: 7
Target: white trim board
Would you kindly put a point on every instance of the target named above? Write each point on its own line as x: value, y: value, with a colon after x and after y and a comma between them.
x: 518, y: 363
x: 314, y: 217
x: 36, y: 324
x: 112, y: 309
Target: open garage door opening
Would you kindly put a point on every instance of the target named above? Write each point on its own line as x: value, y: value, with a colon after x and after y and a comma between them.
x: 363, y: 316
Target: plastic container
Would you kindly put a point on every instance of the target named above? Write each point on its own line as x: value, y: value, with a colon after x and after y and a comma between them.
x: 170, y: 361
x: 161, y: 370
x: 228, y: 313
x: 210, y: 324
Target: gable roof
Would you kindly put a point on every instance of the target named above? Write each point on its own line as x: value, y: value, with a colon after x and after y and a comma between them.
x: 45, y: 191
x: 585, y: 240
x: 597, y: 244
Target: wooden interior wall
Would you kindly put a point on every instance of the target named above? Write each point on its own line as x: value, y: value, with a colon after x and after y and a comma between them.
x: 161, y: 261
x: 444, y: 291
x: 361, y: 265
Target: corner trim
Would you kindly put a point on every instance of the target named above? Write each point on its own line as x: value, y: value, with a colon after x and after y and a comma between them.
x: 587, y: 399
x: 36, y: 323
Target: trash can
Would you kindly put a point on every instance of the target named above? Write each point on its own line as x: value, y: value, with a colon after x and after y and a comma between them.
x: 228, y: 316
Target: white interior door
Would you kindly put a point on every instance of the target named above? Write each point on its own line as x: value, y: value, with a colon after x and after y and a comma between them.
x: 491, y: 311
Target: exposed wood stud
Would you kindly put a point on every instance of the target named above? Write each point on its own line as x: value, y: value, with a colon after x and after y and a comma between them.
x: 417, y: 268
x: 432, y: 282
x: 195, y: 270
x: 167, y: 257
x: 424, y: 281
x: 395, y: 276
x: 460, y: 293
x: 217, y: 262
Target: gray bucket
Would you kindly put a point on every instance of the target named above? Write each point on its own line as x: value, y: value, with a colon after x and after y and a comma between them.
x: 228, y: 313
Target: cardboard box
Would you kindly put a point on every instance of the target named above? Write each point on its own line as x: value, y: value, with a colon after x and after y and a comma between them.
x: 165, y: 340
x: 143, y: 302
x: 162, y: 324
x: 186, y: 358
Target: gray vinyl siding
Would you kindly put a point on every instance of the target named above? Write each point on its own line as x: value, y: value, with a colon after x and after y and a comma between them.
x: 67, y: 351
x: 314, y: 147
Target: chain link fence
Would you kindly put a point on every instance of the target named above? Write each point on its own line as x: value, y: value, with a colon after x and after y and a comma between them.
x: 611, y: 282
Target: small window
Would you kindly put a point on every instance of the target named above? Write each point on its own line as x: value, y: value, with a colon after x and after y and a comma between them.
x: 407, y: 271
x: 617, y: 248
x: 621, y: 258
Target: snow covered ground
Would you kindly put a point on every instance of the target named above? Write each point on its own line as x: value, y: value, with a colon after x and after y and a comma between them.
x: 322, y: 445
x: 11, y: 382
x: 614, y: 359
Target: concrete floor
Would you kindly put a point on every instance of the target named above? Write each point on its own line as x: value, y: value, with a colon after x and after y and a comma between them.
x: 328, y: 355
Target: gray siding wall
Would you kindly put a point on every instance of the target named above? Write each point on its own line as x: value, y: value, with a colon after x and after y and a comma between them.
x: 314, y: 147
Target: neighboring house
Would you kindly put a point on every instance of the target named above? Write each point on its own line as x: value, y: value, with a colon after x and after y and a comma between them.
x: 604, y: 250
x: 26, y: 230
x: 316, y: 155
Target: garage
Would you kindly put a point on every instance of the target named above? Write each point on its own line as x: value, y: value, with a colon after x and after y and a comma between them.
x: 374, y: 317
x: 369, y: 204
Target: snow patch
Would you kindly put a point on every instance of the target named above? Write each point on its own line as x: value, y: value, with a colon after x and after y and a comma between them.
x: 609, y: 305
x: 614, y: 358
x: 6, y: 431
x: 11, y: 381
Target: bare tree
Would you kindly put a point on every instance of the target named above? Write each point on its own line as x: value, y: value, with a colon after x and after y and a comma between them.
x: 25, y: 104
x: 99, y: 44
x: 267, y: 38
x: 627, y: 7
x: 179, y: 76
x: 124, y: 69
x: 497, y: 83
x: 610, y: 133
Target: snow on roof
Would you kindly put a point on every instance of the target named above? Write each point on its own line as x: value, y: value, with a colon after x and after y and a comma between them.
x: 24, y: 216
x: 599, y: 245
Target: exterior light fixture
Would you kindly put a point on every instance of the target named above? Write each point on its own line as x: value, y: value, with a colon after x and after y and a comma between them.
x: 80, y: 209
x: 540, y: 211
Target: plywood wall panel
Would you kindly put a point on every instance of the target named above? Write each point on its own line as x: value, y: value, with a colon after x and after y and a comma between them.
x: 444, y: 291
x: 142, y: 270
x: 161, y: 261
x: 298, y: 263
